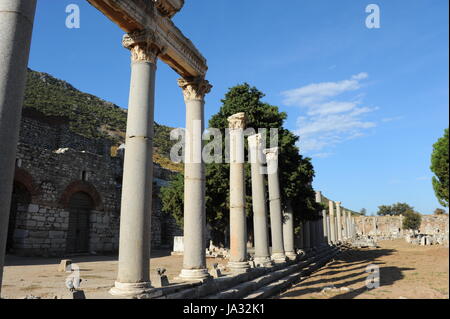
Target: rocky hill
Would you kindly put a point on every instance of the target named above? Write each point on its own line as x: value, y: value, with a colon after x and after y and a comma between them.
x: 89, y: 115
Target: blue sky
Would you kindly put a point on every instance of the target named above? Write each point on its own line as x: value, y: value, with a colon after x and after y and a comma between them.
x: 367, y: 103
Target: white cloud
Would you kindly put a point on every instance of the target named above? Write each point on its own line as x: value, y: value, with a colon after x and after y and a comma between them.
x: 327, y: 121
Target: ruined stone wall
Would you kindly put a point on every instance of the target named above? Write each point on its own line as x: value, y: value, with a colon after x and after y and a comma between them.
x: 391, y: 226
x: 53, y: 164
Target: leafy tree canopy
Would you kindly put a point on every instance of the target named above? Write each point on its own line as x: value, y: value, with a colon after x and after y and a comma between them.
x: 394, y: 210
x: 440, y: 167
x: 295, y: 172
x: 411, y: 220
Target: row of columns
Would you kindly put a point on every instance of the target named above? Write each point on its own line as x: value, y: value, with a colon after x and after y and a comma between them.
x: 135, y: 226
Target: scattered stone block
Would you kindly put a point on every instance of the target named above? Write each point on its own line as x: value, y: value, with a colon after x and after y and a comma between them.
x: 161, y: 279
x: 178, y: 245
x: 215, y: 271
x: 65, y: 265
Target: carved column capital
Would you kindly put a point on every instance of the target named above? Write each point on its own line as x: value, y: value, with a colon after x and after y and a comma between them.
x: 255, y: 141
x: 338, y: 203
x: 145, y: 46
x: 271, y: 154
x: 237, y: 121
x: 194, y: 88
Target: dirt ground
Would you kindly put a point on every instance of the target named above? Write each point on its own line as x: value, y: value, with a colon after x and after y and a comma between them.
x: 406, y: 272
x: 25, y: 276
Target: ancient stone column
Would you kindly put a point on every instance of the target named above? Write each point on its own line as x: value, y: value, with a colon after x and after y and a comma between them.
x: 348, y: 224
x: 288, y: 233
x: 329, y: 230
x: 363, y: 225
x: 307, y: 235
x: 339, y: 221
x: 332, y: 222
x: 374, y: 225
x: 194, y: 257
x: 344, y: 224
x: 135, y: 239
x: 276, y: 217
x: 301, y: 236
x: 322, y: 229
x: 16, y: 27
x: 238, y: 220
x: 262, y: 253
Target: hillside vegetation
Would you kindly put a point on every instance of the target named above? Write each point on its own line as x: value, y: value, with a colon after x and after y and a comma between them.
x: 89, y: 115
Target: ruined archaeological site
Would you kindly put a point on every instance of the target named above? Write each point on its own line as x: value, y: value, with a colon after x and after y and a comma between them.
x: 100, y: 201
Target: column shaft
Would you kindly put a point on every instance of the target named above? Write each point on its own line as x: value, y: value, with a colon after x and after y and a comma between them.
x: 16, y: 27
x: 238, y: 220
x: 288, y: 233
x: 136, y: 203
x: 276, y: 217
x: 332, y: 222
x: 262, y: 253
x: 339, y: 221
x: 194, y: 258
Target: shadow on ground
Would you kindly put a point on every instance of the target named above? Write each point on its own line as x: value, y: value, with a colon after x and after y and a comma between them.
x: 352, y: 264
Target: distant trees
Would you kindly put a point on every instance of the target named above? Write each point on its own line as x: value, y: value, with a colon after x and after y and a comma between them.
x: 394, y: 210
x: 363, y: 211
x: 411, y: 220
x: 440, y: 211
x: 440, y: 167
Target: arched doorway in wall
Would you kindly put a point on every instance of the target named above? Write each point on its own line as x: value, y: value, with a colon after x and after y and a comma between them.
x: 20, y: 197
x: 80, y: 207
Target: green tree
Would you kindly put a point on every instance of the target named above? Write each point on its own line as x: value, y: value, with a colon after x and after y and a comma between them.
x: 440, y: 167
x: 363, y: 211
x: 296, y: 172
x: 394, y: 210
x: 411, y: 220
x: 440, y: 211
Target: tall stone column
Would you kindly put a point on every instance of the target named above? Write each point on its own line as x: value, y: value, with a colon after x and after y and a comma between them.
x: 16, y: 27
x: 323, y: 227
x: 307, y: 235
x: 374, y: 225
x: 301, y: 236
x: 339, y: 221
x: 238, y: 220
x: 135, y: 225
x: 329, y: 230
x: 288, y: 233
x: 348, y: 224
x: 344, y: 224
x: 262, y: 253
x: 332, y: 222
x: 276, y: 217
x: 194, y: 257
x: 363, y: 225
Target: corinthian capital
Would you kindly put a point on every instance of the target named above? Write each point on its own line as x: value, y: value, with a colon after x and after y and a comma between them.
x: 271, y: 154
x: 145, y: 46
x: 237, y: 121
x: 194, y: 88
x: 255, y: 140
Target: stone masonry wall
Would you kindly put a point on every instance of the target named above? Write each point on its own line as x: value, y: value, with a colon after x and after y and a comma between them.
x: 53, y: 164
x: 391, y: 226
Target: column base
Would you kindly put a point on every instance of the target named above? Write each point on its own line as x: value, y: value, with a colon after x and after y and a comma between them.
x: 279, y: 258
x: 133, y: 290
x: 239, y: 267
x: 263, y: 262
x: 195, y: 275
x: 291, y: 255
